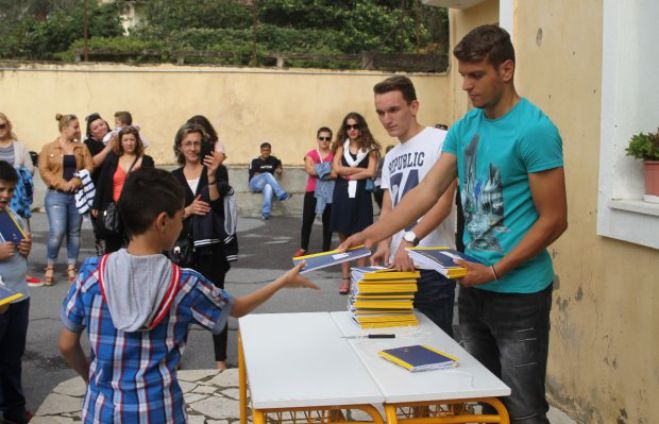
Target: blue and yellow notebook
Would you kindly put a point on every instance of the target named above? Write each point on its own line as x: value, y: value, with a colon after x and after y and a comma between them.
x: 440, y: 259
x: 332, y: 257
x: 419, y: 358
x: 10, y: 230
x: 8, y: 295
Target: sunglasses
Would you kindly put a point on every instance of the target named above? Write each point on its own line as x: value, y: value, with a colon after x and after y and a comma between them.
x: 3, y: 126
x: 352, y: 127
x: 324, y: 138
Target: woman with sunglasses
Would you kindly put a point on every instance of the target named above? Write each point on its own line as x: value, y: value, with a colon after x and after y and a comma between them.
x: 355, y: 160
x: 317, y: 160
x: 58, y: 163
x: 127, y: 156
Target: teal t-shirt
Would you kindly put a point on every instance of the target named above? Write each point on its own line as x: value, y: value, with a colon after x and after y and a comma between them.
x: 495, y: 157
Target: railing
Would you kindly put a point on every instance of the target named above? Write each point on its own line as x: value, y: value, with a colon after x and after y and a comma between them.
x: 376, y: 61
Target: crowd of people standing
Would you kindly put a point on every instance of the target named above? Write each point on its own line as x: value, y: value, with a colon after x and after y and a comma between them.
x: 513, y: 198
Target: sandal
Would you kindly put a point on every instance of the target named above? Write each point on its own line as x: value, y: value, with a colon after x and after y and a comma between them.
x: 72, y: 273
x: 49, y: 276
x: 345, y: 287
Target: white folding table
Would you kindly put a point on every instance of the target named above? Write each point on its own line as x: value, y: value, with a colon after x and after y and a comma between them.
x: 300, y: 362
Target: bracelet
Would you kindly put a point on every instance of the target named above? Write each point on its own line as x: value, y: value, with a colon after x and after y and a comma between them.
x: 496, y: 277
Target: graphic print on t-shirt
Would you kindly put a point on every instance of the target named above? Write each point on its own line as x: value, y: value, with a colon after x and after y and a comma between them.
x: 482, y: 203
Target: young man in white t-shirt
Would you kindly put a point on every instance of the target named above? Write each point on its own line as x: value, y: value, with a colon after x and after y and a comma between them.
x: 404, y: 167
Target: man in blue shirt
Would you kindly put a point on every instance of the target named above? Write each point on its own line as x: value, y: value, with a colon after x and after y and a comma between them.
x: 508, y: 157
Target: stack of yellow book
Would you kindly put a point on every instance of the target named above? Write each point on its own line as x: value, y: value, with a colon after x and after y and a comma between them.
x: 382, y: 297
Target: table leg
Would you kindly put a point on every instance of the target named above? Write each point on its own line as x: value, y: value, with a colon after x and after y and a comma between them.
x: 242, y: 382
x: 258, y: 416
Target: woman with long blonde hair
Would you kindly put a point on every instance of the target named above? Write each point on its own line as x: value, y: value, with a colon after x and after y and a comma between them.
x: 58, y: 163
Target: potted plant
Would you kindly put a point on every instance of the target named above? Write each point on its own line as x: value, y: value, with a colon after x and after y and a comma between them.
x: 646, y: 147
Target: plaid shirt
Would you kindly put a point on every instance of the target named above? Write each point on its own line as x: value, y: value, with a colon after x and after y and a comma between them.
x: 132, y: 376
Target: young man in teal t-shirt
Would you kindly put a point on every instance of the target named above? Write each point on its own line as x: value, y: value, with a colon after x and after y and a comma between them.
x: 508, y: 158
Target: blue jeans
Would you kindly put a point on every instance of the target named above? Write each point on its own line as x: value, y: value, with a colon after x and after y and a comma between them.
x: 435, y: 297
x: 63, y: 220
x: 266, y: 183
x: 13, y: 332
x: 509, y: 334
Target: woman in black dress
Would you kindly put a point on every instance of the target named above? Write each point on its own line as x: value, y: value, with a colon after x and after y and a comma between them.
x: 355, y: 161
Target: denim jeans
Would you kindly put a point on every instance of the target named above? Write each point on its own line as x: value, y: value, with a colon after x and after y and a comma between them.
x: 435, y: 297
x: 13, y: 332
x: 266, y: 183
x: 63, y: 220
x: 509, y: 334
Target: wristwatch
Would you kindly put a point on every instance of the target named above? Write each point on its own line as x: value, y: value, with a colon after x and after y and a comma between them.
x: 410, y: 237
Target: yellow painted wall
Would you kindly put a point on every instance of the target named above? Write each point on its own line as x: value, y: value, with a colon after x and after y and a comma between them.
x: 604, y: 349
x: 245, y: 105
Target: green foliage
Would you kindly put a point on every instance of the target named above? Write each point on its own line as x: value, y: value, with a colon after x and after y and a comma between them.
x: 32, y: 38
x: 644, y: 146
x: 246, y: 32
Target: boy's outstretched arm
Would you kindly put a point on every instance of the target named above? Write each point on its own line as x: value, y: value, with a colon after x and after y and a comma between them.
x: 292, y: 279
x: 69, y: 345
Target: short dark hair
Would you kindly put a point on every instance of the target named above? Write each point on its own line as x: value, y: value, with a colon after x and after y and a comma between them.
x: 489, y: 42
x: 324, y: 129
x: 8, y: 173
x: 187, y: 128
x: 147, y: 193
x: 265, y: 144
x: 124, y: 116
x: 397, y: 83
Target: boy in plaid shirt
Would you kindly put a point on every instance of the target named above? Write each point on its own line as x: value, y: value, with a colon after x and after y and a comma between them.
x: 137, y: 307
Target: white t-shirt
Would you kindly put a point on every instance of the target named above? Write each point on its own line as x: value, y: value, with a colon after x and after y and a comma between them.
x: 404, y: 167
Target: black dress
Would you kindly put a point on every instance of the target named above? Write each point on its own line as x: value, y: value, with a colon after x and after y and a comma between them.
x: 351, y: 215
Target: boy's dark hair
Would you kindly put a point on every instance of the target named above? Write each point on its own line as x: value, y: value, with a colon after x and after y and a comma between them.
x: 187, y: 128
x: 265, y: 144
x: 147, y: 193
x: 324, y: 129
x: 124, y: 116
x: 489, y: 42
x: 397, y: 83
x: 8, y: 173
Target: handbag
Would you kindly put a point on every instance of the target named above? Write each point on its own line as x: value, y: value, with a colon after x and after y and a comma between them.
x: 182, y: 254
x: 109, y: 220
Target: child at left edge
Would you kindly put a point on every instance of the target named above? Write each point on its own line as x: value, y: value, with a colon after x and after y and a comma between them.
x: 14, y: 316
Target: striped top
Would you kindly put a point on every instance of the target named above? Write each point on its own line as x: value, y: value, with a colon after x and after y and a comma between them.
x: 132, y: 376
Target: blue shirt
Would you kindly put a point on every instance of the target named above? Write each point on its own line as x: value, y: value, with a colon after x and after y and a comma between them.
x: 132, y: 376
x: 495, y: 157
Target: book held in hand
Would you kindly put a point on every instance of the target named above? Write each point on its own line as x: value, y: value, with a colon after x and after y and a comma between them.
x: 441, y: 259
x: 419, y: 358
x: 332, y: 257
x: 10, y: 230
x: 8, y: 295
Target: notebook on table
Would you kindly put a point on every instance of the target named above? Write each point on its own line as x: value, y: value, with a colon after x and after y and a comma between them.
x: 419, y: 358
